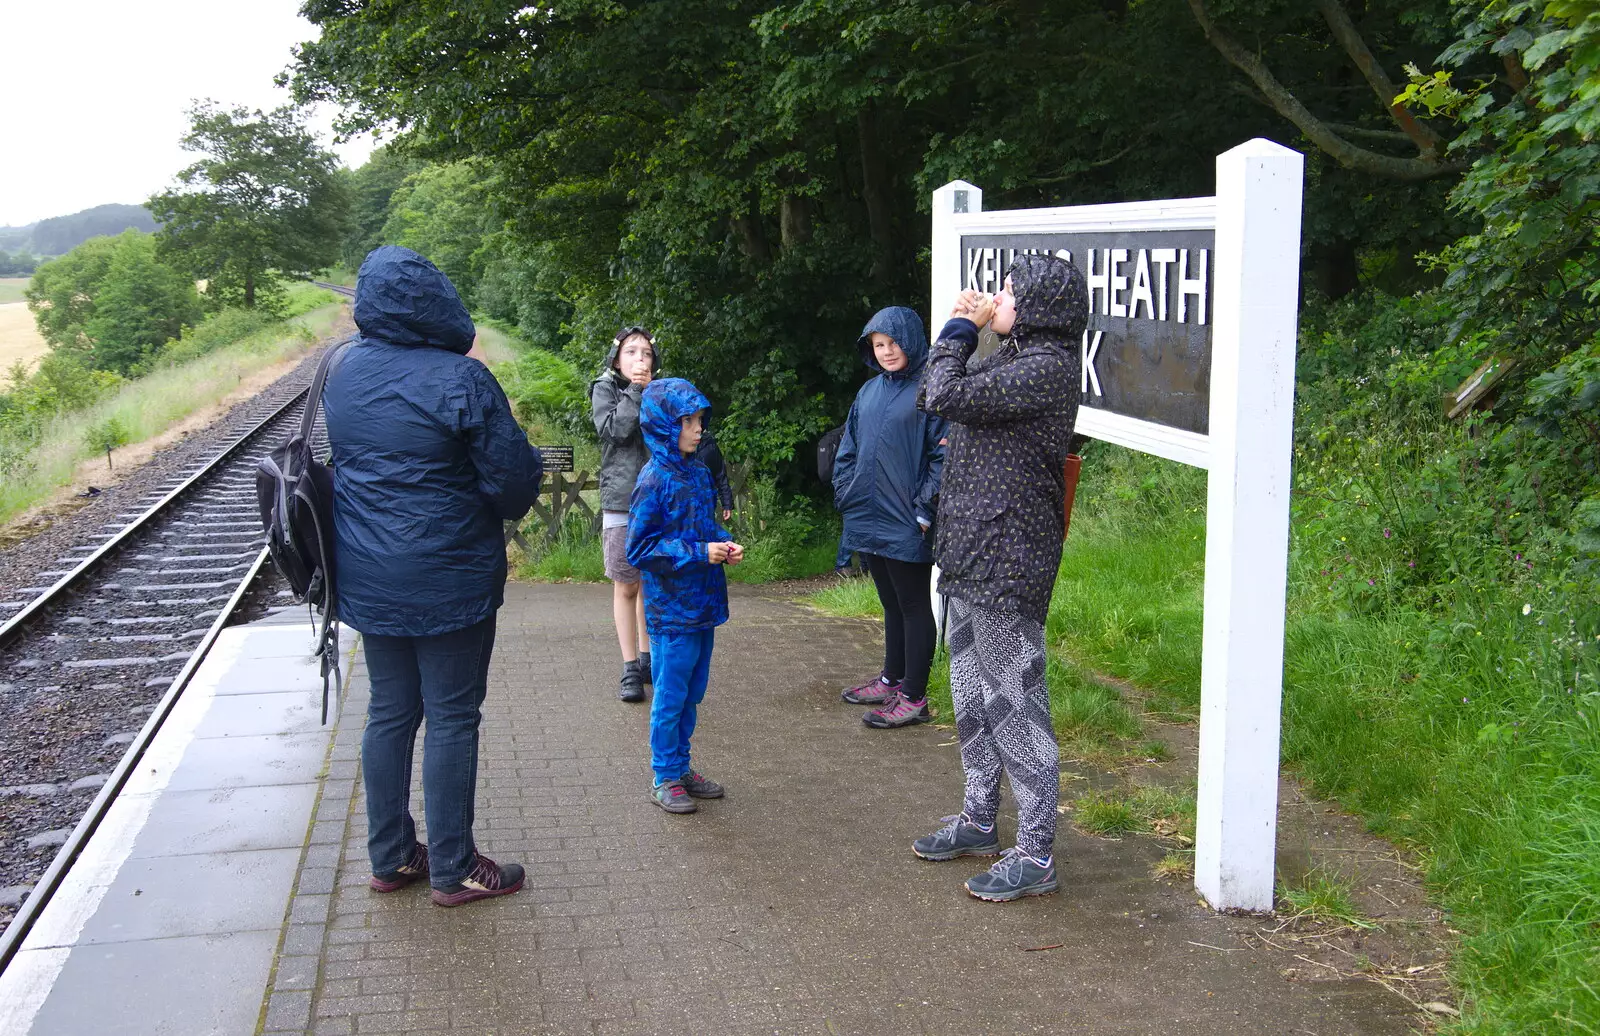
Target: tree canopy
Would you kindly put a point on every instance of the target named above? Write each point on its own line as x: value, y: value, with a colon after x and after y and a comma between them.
x: 262, y: 205
x: 111, y: 301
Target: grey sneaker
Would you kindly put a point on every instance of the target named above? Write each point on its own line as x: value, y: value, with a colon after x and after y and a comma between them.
x: 673, y: 797
x: 1013, y: 876
x: 701, y: 787
x: 898, y: 712
x: 644, y: 669
x: 958, y: 837
x: 873, y: 692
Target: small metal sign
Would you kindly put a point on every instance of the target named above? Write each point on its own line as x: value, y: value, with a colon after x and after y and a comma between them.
x: 1147, y: 353
x: 556, y: 458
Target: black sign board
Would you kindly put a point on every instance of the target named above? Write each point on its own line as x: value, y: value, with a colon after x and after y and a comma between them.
x: 556, y: 458
x: 1147, y: 353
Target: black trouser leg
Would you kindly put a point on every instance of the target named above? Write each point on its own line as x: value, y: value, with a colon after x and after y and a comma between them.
x: 903, y: 587
x: 894, y: 640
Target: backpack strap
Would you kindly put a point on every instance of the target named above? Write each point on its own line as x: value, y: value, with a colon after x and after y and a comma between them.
x: 314, y: 398
x: 327, y: 642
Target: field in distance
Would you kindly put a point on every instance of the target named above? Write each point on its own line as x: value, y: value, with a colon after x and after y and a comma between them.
x: 19, y: 336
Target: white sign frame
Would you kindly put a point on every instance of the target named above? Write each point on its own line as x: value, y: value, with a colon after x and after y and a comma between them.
x: 1255, y: 298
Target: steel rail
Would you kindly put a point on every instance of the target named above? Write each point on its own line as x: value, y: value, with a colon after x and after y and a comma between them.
x: 15, y: 626
x: 34, y: 905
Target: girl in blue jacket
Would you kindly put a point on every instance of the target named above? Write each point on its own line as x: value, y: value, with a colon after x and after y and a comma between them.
x: 885, y: 484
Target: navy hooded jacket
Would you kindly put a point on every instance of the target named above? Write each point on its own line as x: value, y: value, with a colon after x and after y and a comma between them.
x: 886, y: 473
x: 673, y: 517
x: 427, y: 460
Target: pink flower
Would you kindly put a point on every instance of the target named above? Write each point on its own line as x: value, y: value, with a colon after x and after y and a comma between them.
x: 1387, y: 534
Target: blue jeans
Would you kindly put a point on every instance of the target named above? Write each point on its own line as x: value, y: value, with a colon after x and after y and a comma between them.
x: 444, y: 679
x: 680, y: 665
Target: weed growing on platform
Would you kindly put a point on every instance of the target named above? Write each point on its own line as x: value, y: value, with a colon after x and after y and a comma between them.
x: 1323, y: 897
x: 852, y: 597
x: 1104, y: 814
x: 1174, y: 867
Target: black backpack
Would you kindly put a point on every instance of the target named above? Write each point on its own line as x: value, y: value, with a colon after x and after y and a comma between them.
x: 827, y: 449
x: 295, y: 494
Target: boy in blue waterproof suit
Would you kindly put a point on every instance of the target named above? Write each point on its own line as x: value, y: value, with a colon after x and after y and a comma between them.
x: 675, y: 542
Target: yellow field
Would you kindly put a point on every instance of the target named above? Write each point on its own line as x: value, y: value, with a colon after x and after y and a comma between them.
x: 19, y: 338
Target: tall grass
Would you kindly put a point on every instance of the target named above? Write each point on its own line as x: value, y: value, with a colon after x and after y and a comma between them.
x: 147, y: 406
x: 1465, y: 724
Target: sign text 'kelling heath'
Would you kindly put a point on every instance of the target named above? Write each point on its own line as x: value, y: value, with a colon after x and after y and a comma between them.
x: 1147, y: 350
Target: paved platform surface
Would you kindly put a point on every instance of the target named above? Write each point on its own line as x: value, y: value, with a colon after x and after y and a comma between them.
x: 170, y: 920
x: 792, y: 906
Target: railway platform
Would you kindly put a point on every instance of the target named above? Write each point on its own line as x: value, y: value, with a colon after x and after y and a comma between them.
x: 229, y: 894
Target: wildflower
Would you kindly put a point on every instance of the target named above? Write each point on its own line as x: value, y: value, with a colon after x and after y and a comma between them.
x: 1413, y: 564
x: 1371, y: 583
x: 1387, y: 534
x: 1527, y: 608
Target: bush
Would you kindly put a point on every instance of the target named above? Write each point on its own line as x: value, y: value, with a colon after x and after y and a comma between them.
x: 547, y: 389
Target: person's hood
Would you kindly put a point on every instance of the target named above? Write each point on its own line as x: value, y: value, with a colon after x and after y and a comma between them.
x: 664, y: 404
x: 403, y: 299
x: 905, y: 327
x: 610, y: 364
x: 1052, y: 298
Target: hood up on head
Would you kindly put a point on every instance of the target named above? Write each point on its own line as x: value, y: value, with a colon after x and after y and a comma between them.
x: 1052, y: 298
x: 665, y: 403
x: 905, y: 327
x: 403, y: 299
x: 612, y: 353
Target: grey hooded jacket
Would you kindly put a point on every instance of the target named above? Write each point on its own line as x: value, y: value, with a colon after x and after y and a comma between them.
x: 614, y: 406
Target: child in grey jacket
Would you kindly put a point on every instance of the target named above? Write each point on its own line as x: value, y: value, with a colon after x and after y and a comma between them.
x: 614, y: 396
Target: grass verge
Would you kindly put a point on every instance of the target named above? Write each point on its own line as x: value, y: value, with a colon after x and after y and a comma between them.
x: 146, y: 407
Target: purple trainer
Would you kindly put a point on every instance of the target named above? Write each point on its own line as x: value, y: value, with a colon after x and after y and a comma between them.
x: 414, y: 869
x: 873, y: 692
x: 486, y: 879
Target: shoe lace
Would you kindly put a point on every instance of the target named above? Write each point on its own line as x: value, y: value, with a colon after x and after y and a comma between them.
x: 487, y: 872
x: 1009, y: 866
x: 951, y: 825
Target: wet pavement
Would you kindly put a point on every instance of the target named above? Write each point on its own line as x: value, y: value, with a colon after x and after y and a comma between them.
x: 794, y: 905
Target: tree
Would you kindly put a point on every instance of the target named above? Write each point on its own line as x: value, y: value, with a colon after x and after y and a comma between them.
x: 111, y: 301
x: 263, y: 205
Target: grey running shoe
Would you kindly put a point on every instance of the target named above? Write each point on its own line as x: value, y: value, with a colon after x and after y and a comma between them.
x: 1013, y: 876
x: 644, y: 669
x: 700, y: 787
x: 898, y: 711
x: 631, y: 689
x: 673, y: 797
x: 486, y: 879
x: 958, y: 837
x: 873, y: 692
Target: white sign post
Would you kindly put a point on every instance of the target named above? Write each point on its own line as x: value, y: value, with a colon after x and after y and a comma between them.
x: 1190, y: 356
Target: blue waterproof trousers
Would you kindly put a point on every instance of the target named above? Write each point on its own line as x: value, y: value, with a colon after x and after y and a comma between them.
x: 680, y: 665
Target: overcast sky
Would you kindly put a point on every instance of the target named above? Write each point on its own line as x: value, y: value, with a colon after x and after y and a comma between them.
x: 97, y: 91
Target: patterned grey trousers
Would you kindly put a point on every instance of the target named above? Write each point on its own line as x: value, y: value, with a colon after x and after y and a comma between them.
x: 997, y: 665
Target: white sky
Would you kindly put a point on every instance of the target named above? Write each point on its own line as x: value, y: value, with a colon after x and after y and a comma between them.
x: 98, y: 90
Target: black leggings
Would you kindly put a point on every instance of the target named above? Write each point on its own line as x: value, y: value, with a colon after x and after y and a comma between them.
x: 908, y: 629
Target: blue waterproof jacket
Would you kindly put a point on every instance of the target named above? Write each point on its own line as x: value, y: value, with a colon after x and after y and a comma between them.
x: 672, y: 518
x: 427, y: 460
x: 886, y: 473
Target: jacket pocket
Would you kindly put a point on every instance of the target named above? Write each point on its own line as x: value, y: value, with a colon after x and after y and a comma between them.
x: 969, y: 536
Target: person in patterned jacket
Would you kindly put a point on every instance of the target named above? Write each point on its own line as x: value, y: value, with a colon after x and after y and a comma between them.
x: 675, y: 542
x: 1000, y: 528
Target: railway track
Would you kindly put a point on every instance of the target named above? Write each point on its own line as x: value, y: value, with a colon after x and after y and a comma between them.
x: 91, y: 663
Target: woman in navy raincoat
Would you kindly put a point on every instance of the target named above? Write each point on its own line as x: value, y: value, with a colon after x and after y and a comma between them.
x: 886, y: 484
x: 427, y: 462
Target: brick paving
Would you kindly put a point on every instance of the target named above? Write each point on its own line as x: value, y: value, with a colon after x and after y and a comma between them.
x: 792, y: 906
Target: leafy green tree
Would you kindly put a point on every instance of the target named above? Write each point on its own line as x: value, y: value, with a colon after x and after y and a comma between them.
x: 112, y: 301
x: 371, y: 189
x: 263, y: 205
x: 752, y: 179
x: 444, y: 213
